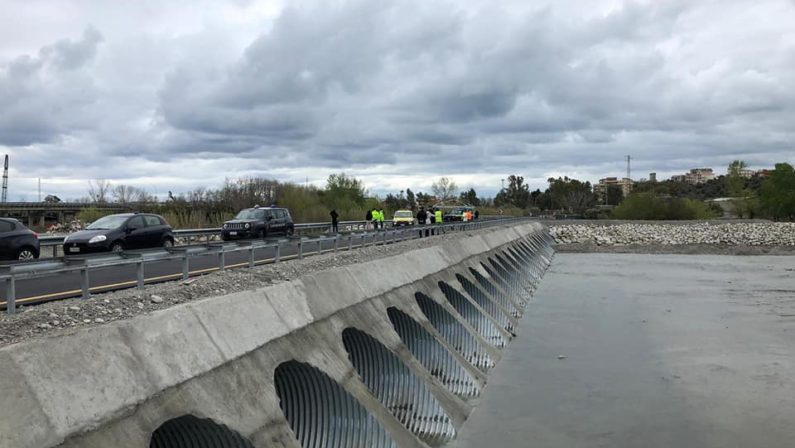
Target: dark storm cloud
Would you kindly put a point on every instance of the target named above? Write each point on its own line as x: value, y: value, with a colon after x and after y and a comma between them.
x: 472, y: 88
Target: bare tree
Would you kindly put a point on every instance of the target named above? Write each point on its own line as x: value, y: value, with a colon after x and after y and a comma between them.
x: 126, y: 193
x: 445, y: 189
x: 98, y: 190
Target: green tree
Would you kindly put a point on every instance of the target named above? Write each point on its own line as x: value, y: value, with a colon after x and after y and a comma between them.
x: 777, y: 196
x: 411, y: 199
x: 571, y: 195
x: 344, y: 188
x: 516, y: 195
x: 615, y: 194
x: 735, y: 181
x: 470, y: 197
x: 649, y: 206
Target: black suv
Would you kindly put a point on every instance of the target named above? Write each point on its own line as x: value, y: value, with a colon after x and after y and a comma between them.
x: 17, y: 242
x: 259, y: 222
x: 115, y: 233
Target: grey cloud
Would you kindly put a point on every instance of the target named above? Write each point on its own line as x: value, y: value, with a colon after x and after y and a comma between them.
x: 424, y: 87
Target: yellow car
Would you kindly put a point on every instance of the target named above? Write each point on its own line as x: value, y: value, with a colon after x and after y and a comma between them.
x: 403, y: 218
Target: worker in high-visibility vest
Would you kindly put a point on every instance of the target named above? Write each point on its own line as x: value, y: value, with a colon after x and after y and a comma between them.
x: 438, y: 216
x: 374, y: 217
x: 381, y: 216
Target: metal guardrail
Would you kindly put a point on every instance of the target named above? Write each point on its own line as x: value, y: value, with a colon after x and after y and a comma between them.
x: 10, y: 274
x: 349, y: 226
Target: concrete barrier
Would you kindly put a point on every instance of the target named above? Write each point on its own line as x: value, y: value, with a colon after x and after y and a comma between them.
x: 215, y: 359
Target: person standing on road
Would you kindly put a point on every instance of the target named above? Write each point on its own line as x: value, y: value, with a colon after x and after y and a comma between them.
x: 334, y: 216
x: 477, y: 215
x: 381, y: 216
x: 421, y: 216
x: 368, y: 217
x: 375, y: 219
x: 438, y: 216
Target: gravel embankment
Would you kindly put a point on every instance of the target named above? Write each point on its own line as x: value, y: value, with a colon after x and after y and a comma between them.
x: 742, y: 238
x: 71, y: 314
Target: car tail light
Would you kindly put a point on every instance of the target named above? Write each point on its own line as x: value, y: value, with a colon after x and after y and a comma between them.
x: 35, y: 235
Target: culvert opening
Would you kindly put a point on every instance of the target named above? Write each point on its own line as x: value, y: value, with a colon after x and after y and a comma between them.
x: 402, y: 392
x: 476, y: 319
x: 432, y: 354
x: 454, y: 333
x: 496, y: 278
x: 322, y: 414
x: 504, y: 275
x: 189, y: 431
x: 495, y: 293
x: 487, y: 304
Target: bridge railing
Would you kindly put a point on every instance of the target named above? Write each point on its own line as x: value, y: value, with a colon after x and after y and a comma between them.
x: 84, y: 265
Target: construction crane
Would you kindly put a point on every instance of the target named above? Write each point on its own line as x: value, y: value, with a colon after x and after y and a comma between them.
x: 5, y: 182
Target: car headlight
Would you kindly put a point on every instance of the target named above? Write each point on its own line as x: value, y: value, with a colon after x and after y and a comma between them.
x: 97, y: 239
x: 226, y: 225
x: 247, y: 225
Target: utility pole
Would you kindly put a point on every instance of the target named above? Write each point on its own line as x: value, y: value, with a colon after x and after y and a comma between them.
x: 5, y: 182
x: 629, y: 171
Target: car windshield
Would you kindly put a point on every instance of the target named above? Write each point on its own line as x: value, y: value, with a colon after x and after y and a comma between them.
x: 251, y: 213
x: 457, y: 211
x: 108, y: 222
x: 403, y: 214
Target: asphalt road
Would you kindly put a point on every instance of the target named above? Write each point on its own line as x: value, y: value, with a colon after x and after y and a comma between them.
x: 658, y: 351
x: 64, y: 285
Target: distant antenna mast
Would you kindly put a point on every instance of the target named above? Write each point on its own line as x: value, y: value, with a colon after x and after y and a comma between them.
x: 5, y: 182
x: 629, y: 171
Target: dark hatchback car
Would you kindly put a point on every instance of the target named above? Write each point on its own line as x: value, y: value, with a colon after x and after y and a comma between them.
x: 259, y: 222
x: 17, y: 242
x: 115, y: 233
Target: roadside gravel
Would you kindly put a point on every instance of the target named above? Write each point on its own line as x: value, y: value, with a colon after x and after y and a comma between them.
x: 69, y: 315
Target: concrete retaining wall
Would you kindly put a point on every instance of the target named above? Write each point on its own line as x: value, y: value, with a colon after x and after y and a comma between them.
x: 112, y: 386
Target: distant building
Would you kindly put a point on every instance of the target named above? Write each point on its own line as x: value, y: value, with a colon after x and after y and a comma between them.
x: 600, y: 189
x: 695, y: 176
x: 652, y: 177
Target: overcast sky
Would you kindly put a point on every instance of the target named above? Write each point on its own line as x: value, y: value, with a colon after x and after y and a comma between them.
x: 184, y: 93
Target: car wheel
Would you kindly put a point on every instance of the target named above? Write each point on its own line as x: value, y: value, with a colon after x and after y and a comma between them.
x: 26, y: 254
x: 168, y: 243
x: 117, y: 247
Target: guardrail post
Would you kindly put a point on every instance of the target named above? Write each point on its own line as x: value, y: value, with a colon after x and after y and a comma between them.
x: 336, y: 243
x: 385, y: 236
x: 251, y: 257
x: 140, y: 272
x: 278, y: 253
x: 320, y: 246
x: 301, y: 249
x: 11, y: 295
x: 185, y: 267
x: 84, y: 283
x: 221, y: 260
x: 55, y: 251
x: 350, y: 242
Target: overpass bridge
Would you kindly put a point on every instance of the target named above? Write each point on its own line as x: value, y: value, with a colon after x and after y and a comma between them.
x: 40, y: 214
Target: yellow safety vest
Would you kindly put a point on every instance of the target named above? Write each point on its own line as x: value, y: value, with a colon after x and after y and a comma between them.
x: 438, y: 215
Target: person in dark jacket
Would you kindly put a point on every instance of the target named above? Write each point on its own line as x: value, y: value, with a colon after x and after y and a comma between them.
x: 422, y: 215
x: 334, y: 217
x: 368, y: 217
x: 477, y: 214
